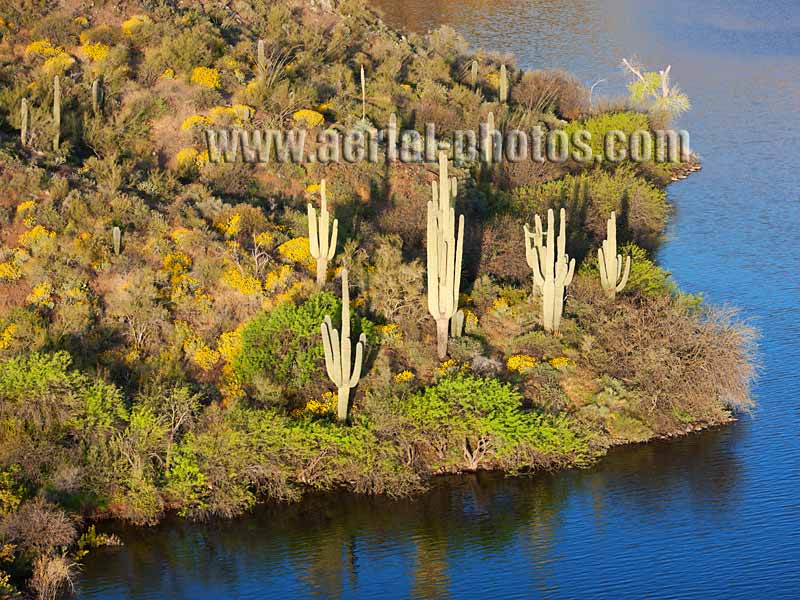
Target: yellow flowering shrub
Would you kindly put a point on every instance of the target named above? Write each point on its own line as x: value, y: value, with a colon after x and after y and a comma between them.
x: 95, y: 52
x: 390, y: 331
x: 229, y: 344
x: 24, y: 207
x: 520, y: 363
x: 56, y: 65
x: 206, y: 77
x: 7, y: 336
x: 297, y: 250
x: 194, y: 121
x: 500, y: 305
x: 186, y: 156
x: 265, y: 238
x: 246, y: 284
x: 312, y: 189
x: 40, y: 294
x: 277, y: 277
x: 81, y: 20
x: 308, y: 117
x: 446, y: 366
x: 231, y: 226
x: 42, y: 48
x: 470, y: 319
x: 404, y: 377
x: 201, y: 158
x: 168, y: 73
x: 320, y: 408
x: 561, y: 362
x: 493, y: 79
x: 38, y: 233
x: 178, y: 234
x: 176, y: 264
x: 10, y: 271
x: 132, y: 25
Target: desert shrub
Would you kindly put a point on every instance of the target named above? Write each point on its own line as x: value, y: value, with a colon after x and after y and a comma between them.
x: 599, y: 127
x: 645, y: 276
x: 395, y: 289
x: 502, y: 253
x: 52, y: 576
x: 589, y: 198
x: 38, y: 527
x: 284, y: 346
x: 551, y: 91
x: 474, y: 423
x: 663, y: 348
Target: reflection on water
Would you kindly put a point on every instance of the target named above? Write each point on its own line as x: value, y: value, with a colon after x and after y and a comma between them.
x: 468, y: 535
x: 687, y: 518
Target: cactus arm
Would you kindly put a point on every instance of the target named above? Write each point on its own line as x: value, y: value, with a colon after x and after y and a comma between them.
x: 327, y: 328
x: 457, y: 269
x: 313, y: 240
x: 356, y: 377
x: 334, y: 236
x: 433, y: 263
x: 625, y: 273
x: 601, y: 265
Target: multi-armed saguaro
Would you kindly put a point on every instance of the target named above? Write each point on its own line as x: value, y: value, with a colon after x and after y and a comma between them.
x: 612, y: 276
x: 444, y: 256
x: 322, y: 241
x: 338, y: 353
x: 552, y: 268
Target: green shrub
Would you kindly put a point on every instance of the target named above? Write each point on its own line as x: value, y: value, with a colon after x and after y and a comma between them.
x: 284, y: 346
x: 471, y: 422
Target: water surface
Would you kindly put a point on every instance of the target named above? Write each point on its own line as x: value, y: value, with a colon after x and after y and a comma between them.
x: 712, y: 515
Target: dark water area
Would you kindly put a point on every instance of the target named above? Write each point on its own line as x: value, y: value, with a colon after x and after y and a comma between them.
x: 713, y: 515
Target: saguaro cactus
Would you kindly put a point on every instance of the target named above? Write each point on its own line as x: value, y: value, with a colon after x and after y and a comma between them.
x: 613, y: 276
x: 473, y: 74
x: 552, y: 270
x: 363, y: 96
x: 56, y: 112
x: 444, y: 254
x: 262, y: 59
x: 24, y: 117
x: 503, y: 85
x: 338, y: 353
x: 321, y: 240
x: 487, y: 139
x: 116, y: 236
x: 98, y: 96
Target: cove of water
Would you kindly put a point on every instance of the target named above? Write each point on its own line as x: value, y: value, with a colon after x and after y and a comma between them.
x: 716, y: 514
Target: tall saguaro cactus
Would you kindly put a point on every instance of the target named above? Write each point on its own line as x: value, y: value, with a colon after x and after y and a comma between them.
x: 262, y: 59
x: 473, y: 74
x: 552, y: 269
x: 444, y: 253
x: 56, y: 112
x: 322, y: 241
x: 24, y: 117
x: 503, y: 85
x: 338, y: 351
x: 613, y: 276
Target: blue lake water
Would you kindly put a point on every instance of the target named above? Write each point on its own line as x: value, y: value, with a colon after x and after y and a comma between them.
x: 713, y: 515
